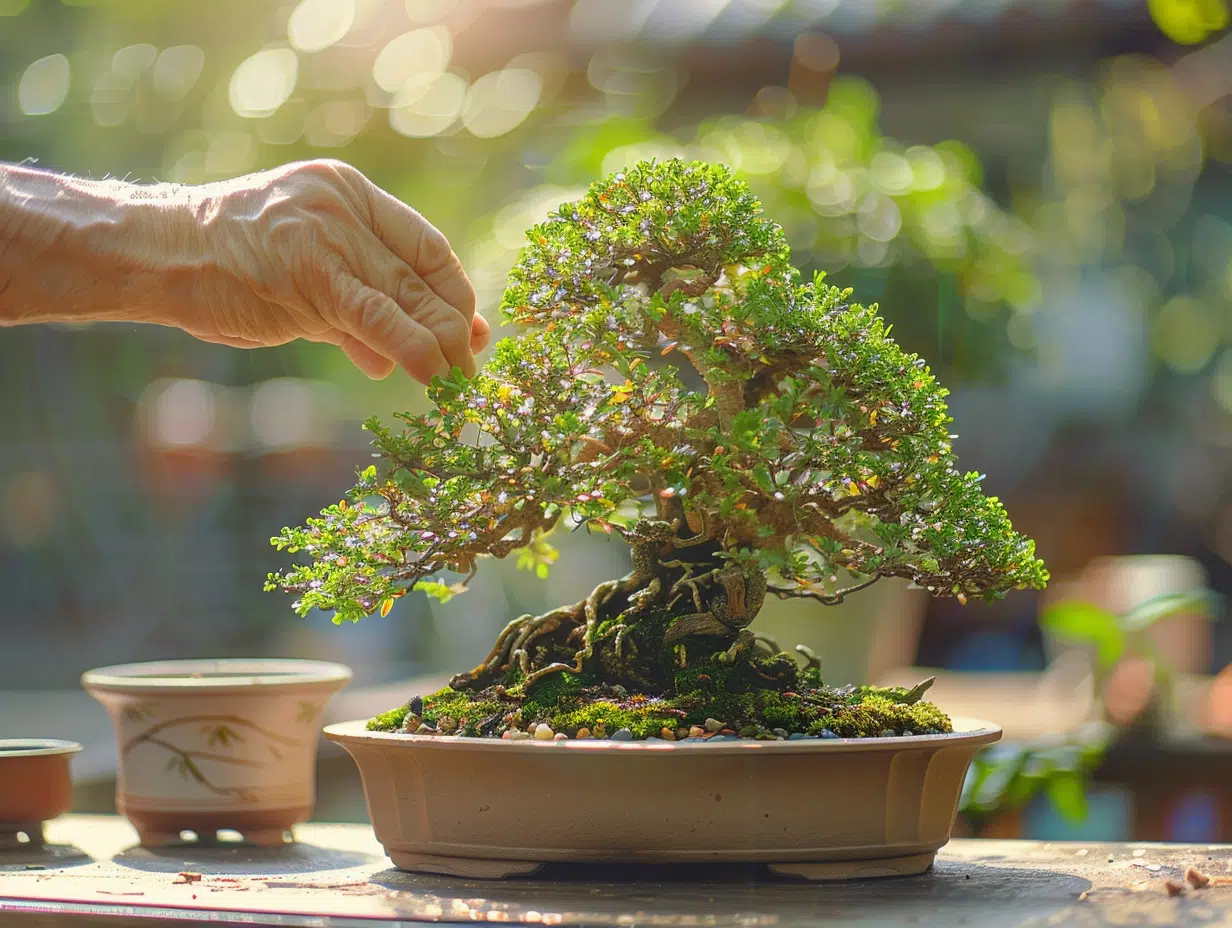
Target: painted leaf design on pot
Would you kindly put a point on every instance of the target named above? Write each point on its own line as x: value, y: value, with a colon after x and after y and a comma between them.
x: 140, y: 712
x: 221, y: 736
x: 308, y: 711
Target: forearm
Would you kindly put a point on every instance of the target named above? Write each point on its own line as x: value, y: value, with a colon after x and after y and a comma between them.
x: 75, y: 250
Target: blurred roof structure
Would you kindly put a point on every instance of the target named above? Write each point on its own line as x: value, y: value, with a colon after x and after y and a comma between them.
x: 731, y: 21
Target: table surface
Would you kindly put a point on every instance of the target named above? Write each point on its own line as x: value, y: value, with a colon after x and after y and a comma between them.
x: 337, y: 875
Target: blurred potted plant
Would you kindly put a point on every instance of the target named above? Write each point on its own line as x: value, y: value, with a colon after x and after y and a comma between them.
x: 1134, y: 693
x: 796, y: 451
x: 211, y: 745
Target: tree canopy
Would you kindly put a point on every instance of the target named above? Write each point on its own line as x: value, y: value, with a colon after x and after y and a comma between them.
x: 672, y: 358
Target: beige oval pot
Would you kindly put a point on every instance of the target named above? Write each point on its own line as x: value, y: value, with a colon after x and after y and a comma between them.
x: 35, y: 786
x: 208, y: 745
x: 819, y: 809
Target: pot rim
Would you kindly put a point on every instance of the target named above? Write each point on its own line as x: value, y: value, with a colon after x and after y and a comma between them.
x: 36, y: 747
x: 215, y: 675
x: 967, y: 731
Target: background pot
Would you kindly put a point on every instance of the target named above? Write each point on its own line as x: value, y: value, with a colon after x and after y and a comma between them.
x: 35, y: 785
x: 216, y: 744
x: 822, y: 809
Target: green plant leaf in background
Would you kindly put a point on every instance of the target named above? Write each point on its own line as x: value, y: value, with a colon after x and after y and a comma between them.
x: 1085, y: 623
x: 1068, y: 794
x: 1188, y: 22
x: 1202, y: 602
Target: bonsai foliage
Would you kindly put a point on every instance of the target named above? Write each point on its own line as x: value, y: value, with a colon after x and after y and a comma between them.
x: 678, y: 384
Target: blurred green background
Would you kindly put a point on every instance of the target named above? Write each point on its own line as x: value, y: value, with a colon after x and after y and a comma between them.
x: 1037, y: 192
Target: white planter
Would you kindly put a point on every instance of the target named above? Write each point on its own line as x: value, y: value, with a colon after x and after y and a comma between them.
x: 206, y: 745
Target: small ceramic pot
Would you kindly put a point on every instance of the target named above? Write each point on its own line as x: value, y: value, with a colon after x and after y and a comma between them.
x: 207, y: 745
x: 820, y: 809
x: 35, y: 786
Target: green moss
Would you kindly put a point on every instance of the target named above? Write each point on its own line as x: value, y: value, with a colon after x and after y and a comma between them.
x: 877, y: 714
x: 568, y: 702
x: 643, y: 721
x: 389, y: 721
x: 471, y: 713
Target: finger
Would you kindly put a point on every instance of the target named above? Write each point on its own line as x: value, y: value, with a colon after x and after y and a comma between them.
x: 380, y: 269
x: 232, y: 341
x: 481, y: 334
x: 379, y: 323
x: 410, y: 236
x: 376, y: 366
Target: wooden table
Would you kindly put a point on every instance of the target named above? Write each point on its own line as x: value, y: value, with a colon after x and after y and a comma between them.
x: 337, y: 876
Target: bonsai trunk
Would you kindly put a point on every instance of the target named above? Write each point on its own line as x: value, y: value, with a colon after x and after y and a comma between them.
x: 681, y: 605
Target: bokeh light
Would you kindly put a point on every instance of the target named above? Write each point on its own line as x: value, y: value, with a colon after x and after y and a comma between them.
x: 413, y: 56
x: 428, y: 106
x: 44, y: 85
x: 263, y: 82
x: 315, y: 25
x: 500, y: 101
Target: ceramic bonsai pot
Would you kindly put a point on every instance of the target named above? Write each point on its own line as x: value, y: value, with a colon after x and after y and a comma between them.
x: 35, y: 786
x: 819, y: 809
x: 206, y: 745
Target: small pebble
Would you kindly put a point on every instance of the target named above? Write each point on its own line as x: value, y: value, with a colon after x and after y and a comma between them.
x: 718, y: 738
x: 780, y: 732
x: 682, y: 733
x: 519, y: 735
x: 1140, y: 852
x: 667, y: 734
x: 507, y: 735
x: 908, y: 733
x: 560, y: 736
x: 1173, y: 887
x: 583, y: 734
x: 425, y: 730
x: 713, y: 725
x: 543, y: 732
x: 887, y: 733
x: 697, y: 731
x: 622, y: 734
x: 826, y: 733
x: 1196, y: 878
x: 447, y: 724
x: 727, y: 731
x: 796, y: 736
x: 747, y: 732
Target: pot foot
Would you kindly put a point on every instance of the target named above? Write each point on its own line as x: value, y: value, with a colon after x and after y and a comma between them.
x: 908, y: 865
x: 11, y: 836
x: 267, y: 837
x: 473, y: 868
x: 154, y: 838
x: 260, y: 837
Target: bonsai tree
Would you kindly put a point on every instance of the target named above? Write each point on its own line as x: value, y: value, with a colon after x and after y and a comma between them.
x: 748, y: 433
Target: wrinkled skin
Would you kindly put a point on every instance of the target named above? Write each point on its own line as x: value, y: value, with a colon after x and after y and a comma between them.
x: 306, y: 251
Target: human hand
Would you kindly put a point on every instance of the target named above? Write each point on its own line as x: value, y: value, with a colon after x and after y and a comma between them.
x: 314, y: 250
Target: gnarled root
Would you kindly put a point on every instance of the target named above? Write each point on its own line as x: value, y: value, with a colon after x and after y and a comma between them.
x: 513, y: 644
x: 516, y: 637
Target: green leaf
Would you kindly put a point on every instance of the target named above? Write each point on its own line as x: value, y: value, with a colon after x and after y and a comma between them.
x: 442, y: 592
x: 1203, y: 603
x: 1067, y: 793
x: 1086, y: 623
